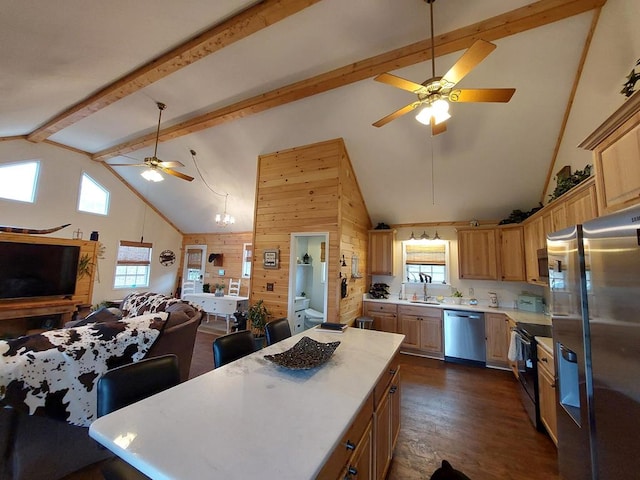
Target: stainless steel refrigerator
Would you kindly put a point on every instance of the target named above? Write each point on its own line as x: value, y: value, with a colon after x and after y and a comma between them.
x: 594, y: 277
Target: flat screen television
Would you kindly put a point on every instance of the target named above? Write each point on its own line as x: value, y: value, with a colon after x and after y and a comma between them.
x: 30, y: 270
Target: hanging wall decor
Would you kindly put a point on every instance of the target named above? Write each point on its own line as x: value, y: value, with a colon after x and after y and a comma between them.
x: 167, y: 258
x: 271, y: 258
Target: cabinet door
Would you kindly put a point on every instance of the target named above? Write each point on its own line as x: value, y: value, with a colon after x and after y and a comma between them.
x: 381, y: 244
x: 409, y: 326
x: 361, y: 465
x: 431, y: 335
x: 617, y: 166
x: 547, y: 387
x: 498, y: 337
x: 394, y: 398
x: 534, y: 239
x: 581, y: 207
x: 512, y: 265
x: 382, y: 435
x: 477, y: 254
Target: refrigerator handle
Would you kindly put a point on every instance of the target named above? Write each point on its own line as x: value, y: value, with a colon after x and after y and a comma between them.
x: 568, y: 355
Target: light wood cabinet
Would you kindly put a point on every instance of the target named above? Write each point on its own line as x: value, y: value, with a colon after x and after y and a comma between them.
x: 385, y: 316
x: 381, y: 252
x: 547, y: 392
x: 495, y: 253
x: 534, y: 239
x: 512, y: 266
x: 477, y: 254
x: 581, y: 207
x: 360, y: 466
x: 616, y: 153
x: 386, y: 420
x: 422, y: 327
x: 498, y: 336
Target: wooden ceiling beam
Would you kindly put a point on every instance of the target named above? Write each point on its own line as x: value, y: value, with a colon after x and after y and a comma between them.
x: 521, y: 19
x: 240, y: 26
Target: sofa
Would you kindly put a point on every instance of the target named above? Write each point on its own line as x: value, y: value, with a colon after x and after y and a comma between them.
x: 41, y: 446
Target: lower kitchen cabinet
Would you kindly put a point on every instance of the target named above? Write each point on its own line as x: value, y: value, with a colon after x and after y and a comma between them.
x: 498, y: 336
x: 422, y: 328
x: 360, y: 466
x: 385, y: 316
x: 547, y: 392
x: 386, y: 420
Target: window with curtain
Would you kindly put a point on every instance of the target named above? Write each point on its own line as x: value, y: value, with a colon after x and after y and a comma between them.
x: 424, y: 259
x: 133, y: 265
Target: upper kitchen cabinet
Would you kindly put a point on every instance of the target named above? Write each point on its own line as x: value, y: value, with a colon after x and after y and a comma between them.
x: 477, y: 254
x: 616, y: 149
x: 495, y: 253
x: 381, y: 244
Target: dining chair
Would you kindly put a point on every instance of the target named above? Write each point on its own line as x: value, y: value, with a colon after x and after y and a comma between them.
x: 277, y: 330
x: 188, y: 286
x: 128, y: 384
x: 234, y: 288
x: 232, y: 346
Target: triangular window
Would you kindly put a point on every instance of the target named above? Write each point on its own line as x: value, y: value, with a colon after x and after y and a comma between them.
x: 94, y: 198
x: 18, y: 181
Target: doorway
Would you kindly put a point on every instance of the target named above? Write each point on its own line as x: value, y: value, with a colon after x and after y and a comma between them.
x: 193, y: 270
x: 308, y: 280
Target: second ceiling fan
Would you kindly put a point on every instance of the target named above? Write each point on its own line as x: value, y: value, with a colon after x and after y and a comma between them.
x: 434, y: 92
x: 153, y: 164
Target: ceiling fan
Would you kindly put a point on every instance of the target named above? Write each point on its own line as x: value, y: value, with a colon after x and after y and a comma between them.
x: 434, y: 92
x: 153, y: 164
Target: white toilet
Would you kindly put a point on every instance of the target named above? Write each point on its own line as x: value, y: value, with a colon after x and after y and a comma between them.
x: 312, y: 318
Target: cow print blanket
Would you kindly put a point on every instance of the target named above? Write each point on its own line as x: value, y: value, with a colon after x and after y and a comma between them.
x: 55, y: 373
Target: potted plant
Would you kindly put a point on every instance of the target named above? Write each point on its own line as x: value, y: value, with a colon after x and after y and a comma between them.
x: 206, y: 288
x: 457, y: 297
x: 258, y: 315
x: 219, y: 289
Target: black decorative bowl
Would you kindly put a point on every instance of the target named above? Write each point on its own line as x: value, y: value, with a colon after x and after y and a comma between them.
x: 305, y: 354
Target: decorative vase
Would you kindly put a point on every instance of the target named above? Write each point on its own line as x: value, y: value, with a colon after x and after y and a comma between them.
x: 219, y: 293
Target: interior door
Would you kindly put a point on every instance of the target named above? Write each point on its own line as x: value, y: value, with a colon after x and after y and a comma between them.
x: 193, y: 270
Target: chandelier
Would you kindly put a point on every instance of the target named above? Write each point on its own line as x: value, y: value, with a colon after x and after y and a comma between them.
x: 223, y: 219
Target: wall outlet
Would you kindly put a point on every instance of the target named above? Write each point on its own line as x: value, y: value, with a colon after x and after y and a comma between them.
x: 269, y: 287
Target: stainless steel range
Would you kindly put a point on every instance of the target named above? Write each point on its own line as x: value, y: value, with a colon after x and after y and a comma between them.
x: 527, y: 360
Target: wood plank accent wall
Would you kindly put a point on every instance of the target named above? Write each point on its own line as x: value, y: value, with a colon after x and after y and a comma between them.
x: 230, y: 245
x: 309, y: 189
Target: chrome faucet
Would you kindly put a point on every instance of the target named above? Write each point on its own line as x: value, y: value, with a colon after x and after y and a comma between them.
x: 424, y: 289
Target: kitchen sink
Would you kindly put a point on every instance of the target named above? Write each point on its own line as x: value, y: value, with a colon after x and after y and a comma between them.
x: 425, y: 302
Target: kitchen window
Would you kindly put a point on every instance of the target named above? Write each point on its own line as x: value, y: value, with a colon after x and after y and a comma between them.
x: 425, y: 261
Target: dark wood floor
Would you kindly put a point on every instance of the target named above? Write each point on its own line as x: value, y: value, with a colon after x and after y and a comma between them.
x: 470, y: 416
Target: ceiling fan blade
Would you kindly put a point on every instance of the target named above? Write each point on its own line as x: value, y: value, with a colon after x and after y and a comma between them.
x: 176, y: 174
x: 439, y: 128
x: 401, y: 83
x: 127, y: 164
x: 502, y: 95
x: 170, y: 164
x: 467, y: 62
x: 396, y: 114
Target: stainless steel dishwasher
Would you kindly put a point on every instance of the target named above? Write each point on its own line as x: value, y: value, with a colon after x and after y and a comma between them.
x: 464, y: 337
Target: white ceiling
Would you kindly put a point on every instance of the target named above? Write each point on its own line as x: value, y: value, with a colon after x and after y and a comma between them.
x: 492, y: 159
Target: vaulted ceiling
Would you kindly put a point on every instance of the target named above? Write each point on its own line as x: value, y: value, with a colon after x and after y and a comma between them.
x: 242, y: 78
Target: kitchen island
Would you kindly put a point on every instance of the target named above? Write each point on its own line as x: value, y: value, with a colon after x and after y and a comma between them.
x: 254, y: 419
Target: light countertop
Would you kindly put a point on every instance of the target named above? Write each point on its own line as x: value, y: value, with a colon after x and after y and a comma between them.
x: 546, y: 343
x: 515, y: 315
x: 251, y: 418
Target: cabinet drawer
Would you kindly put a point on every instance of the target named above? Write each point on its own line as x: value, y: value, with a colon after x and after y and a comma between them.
x: 385, y: 381
x: 419, y: 311
x: 349, y: 442
x: 381, y: 307
x: 545, y: 361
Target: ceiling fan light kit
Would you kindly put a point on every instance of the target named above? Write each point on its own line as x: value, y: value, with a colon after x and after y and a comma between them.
x: 224, y: 219
x: 152, y: 175
x: 434, y: 93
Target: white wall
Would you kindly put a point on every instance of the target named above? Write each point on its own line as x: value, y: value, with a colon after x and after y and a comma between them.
x: 56, y: 204
x: 507, y: 291
x: 614, y: 51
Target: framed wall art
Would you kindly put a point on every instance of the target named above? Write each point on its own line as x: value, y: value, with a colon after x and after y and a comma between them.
x: 271, y: 258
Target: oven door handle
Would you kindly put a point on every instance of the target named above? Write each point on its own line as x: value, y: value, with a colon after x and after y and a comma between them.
x: 522, y: 339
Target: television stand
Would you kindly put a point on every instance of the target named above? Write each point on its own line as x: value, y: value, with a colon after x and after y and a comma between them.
x: 23, y: 317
